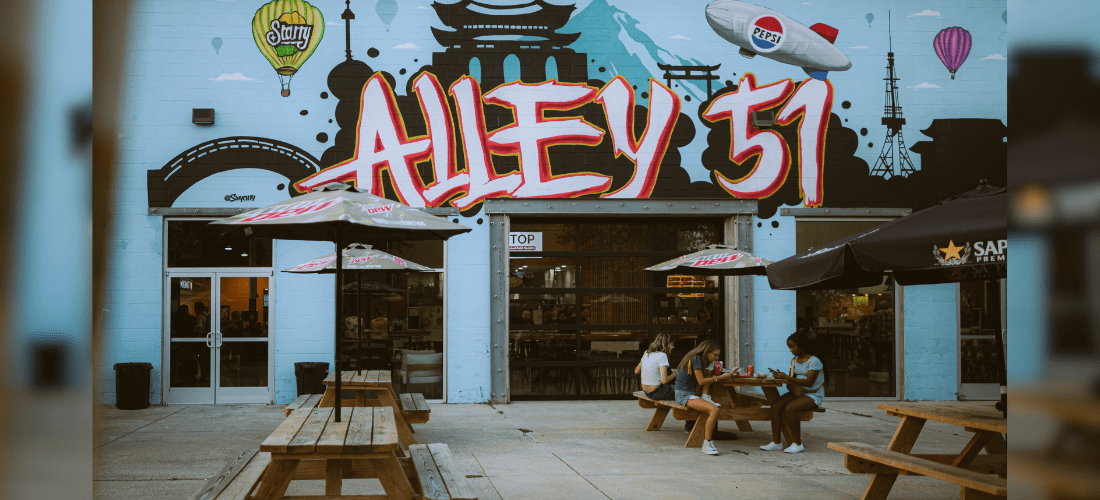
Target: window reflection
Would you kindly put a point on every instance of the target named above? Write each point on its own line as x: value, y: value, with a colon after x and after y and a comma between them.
x: 195, y: 243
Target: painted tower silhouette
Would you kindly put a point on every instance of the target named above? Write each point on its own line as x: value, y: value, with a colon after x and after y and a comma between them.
x: 884, y: 165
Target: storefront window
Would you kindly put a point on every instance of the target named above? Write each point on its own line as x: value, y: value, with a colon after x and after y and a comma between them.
x: 582, y: 309
x: 853, y: 329
x: 195, y: 243
x: 393, y: 320
x: 979, y: 323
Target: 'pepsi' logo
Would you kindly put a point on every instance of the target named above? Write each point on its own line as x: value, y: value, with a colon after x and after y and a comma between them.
x: 766, y: 33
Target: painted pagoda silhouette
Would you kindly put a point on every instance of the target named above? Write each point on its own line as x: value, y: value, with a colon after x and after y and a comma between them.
x: 884, y: 165
x: 488, y: 34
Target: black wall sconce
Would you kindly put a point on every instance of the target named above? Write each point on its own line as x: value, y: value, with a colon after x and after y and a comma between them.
x: 202, y: 116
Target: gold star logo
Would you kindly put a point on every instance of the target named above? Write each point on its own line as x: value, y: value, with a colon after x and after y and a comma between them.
x: 951, y: 251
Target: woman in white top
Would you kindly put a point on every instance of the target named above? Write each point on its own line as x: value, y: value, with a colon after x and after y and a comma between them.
x: 656, y: 377
x: 805, y: 383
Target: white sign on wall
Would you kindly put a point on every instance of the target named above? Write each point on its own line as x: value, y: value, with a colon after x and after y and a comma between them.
x: 525, y: 242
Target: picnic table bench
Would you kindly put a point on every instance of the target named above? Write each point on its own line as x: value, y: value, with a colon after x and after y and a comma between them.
x: 978, y: 476
x: 310, y: 445
x: 736, y: 406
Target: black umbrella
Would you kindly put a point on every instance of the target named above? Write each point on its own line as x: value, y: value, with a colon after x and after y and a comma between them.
x: 340, y: 213
x: 963, y: 238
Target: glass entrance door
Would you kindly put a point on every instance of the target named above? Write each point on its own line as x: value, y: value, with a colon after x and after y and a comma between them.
x: 981, y: 316
x: 217, y: 326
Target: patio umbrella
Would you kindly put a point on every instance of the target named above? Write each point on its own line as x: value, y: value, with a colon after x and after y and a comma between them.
x: 359, y: 257
x: 962, y: 238
x: 715, y: 260
x: 339, y: 213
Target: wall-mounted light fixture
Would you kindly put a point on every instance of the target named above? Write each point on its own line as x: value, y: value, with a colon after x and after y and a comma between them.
x: 763, y: 119
x: 202, y: 116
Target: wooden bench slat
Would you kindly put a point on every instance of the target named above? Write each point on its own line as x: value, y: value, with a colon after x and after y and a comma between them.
x: 644, y: 400
x: 1070, y: 478
x: 431, y: 482
x: 360, y: 377
x: 384, y: 377
x: 385, y: 430
x: 332, y: 439
x: 985, y: 464
x: 421, y: 403
x: 242, y: 487
x: 278, y: 441
x: 452, y: 477
x: 296, y: 403
x: 218, y: 483
x: 372, y: 377
x: 966, y: 478
x: 360, y: 431
x: 407, y: 404
x: 306, y: 439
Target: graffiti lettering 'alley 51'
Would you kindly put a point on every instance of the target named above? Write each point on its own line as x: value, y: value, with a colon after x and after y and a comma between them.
x: 383, y: 146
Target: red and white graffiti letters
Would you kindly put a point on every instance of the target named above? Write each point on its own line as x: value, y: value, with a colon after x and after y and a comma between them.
x: 383, y: 146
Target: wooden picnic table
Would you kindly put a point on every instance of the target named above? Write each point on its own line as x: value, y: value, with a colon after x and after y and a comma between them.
x: 361, y: 445
x: 737, y: 406
x: 378, y: 381
x: 979, y: 476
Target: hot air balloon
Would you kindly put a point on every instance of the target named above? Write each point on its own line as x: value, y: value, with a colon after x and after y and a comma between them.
x: 216, y: 42
x: 952, y: 45
x: 870, y: 17
x: 386, y: 10
x: 287, y: 32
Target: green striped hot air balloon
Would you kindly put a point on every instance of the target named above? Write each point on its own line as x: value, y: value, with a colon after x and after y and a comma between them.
x: 287, y: 32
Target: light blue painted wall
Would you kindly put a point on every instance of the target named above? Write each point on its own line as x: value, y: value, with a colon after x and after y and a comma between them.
x: 304, y: 309
x: 931, y: 347
x: 467, y: 281
x: 774, y: 310
x: 1027, y: 286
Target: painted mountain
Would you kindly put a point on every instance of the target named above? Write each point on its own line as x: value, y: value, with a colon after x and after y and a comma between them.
x: 637, y: 56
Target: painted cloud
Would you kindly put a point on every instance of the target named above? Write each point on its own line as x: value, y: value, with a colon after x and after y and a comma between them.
x: 234, y: 77
x: 409, y: 45
x: 926, y: 85
x: 996, y: 57
x: 927, y: 13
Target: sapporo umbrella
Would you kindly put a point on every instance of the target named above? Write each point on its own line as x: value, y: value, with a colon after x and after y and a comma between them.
x: 359, y: 257
x: 962, y: 238
x: 715, y: 260
x: 340, y: 213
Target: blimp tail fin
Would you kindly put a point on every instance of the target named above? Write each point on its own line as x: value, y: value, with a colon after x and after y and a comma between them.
x: 827, y: 32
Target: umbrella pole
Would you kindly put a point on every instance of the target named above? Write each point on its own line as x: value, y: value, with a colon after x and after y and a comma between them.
x: 359, y: 327
x: 339, y: 302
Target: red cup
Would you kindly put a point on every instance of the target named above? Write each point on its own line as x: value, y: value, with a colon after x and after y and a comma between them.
x: 750, y: 373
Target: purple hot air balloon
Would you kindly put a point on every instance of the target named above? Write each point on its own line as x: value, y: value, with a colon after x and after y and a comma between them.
x: 952, y: 45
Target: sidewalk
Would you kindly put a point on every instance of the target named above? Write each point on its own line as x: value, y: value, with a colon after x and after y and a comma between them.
x: 576, y: 450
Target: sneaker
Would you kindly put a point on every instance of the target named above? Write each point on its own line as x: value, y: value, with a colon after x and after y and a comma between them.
x: 794, y: 448
x: 709, y: 449
x: 772, y: 447
x: 706, y: 397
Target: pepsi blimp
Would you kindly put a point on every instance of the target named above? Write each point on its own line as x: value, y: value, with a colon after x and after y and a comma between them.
x: 758, y: 30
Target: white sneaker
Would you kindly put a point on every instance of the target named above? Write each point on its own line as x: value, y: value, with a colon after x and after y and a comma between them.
x: 794, y: 448
x: 706, y: 397
x: 708, y: 448
x: 772, y: 447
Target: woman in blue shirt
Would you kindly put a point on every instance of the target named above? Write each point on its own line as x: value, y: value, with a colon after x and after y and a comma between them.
x: 806, y: 374
x: 690, y: 377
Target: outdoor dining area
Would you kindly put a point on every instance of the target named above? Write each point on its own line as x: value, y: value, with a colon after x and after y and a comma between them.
x: 338, y: 439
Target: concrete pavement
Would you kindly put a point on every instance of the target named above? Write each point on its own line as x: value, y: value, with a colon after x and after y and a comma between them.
x: 528, y: 450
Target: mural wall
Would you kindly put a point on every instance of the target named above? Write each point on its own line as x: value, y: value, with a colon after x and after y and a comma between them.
x: 862, y: 104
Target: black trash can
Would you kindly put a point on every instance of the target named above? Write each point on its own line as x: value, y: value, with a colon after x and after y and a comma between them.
x: 311, y: 376
x: 132, y: 385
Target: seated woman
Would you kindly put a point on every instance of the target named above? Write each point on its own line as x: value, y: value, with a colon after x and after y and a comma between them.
x: 690, y: 378
x: 656, y: 377
x: 805, y: 383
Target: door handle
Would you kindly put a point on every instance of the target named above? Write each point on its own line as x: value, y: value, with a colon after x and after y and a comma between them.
x: 210, y: 339
x: 218, y: 339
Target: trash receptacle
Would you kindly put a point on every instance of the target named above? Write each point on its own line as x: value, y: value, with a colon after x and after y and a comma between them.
x: 311, y: 376
x: 132, y: 385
